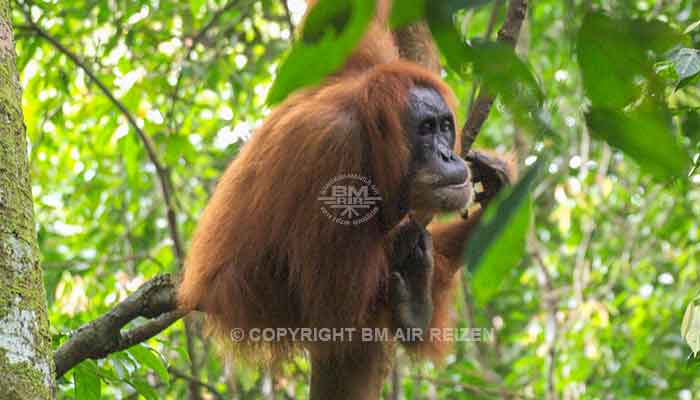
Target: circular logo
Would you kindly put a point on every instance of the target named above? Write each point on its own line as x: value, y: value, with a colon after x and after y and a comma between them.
x: 237, y: 334
x: 349, y: 199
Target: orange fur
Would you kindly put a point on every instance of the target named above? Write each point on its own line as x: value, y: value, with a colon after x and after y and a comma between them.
x: 263, y: 254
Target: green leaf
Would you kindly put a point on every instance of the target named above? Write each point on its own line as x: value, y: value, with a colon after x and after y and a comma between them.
x: 147, y: 356
x: 656, y: 35
x: 410, y: 11
x: 196, y: 6
x: 178, y: 147
x: 690, y: 125
x: 692, y: 27
x: 643, y: 134
x: 88, y: 384
x: 123, y: 364
x: 130, y: 148
x: 326, y: 17
x: 499, y: 243
x: 666, y: 70
x: 332, y: 30
x: 690, y: 328
x: 406, y: 12
x: 452, y: 46
x: 687, y: 63
x: 456, y: 5
x: 611, y: 58
x: 615, y: 60
x: 618, y: 74
x: 503, y: 73
x: 144, y: 389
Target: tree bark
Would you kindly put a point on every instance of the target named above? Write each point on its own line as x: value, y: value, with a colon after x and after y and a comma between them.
x: 26, y: 365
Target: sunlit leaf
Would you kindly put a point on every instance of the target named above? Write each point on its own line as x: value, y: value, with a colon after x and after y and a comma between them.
x: 196, y: 6
x: 690, y: 328
x: 692, y: 27
x: 666, y: 70
x: 124, y: 364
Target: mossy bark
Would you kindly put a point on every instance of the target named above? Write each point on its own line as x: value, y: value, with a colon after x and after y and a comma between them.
x: 26, y: 365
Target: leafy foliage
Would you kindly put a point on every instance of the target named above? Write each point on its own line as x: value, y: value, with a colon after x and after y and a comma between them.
x: 87, y: 382
x: 686, y: 62
x: 591, y: 307
x: 624, y: 89
x: 499, y: 243
x: 332, y: 31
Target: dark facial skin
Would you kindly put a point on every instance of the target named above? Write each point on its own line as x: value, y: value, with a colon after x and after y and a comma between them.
x: 441, y: 179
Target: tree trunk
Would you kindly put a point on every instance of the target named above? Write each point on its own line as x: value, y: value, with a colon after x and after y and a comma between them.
x: 26, y: 366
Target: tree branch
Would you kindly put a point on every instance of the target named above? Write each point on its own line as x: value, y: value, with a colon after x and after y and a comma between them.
x: 97, y: 339
x: 509, y: 32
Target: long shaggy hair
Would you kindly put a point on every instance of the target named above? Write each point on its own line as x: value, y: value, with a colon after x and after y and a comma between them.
x: 263, y: 254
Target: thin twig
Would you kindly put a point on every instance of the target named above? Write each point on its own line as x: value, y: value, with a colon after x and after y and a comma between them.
x: 509, y: 32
